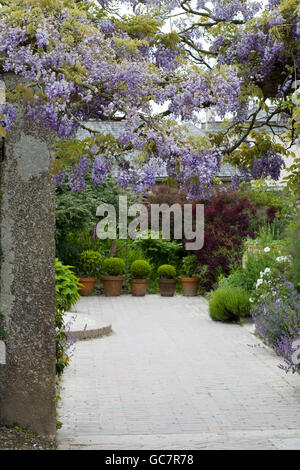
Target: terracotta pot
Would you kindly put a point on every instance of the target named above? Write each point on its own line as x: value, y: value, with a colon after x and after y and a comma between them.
x: 189, y: 286
x: 167, y: 287
x: 112, y: 285
x: 88, y: 285
x: 138, y: 287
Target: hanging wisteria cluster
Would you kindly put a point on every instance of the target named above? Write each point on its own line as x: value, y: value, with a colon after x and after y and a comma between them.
x: 266, y: 166
x: 82, y: 62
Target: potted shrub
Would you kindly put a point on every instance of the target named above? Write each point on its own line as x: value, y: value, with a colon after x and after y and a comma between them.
x: 90, y: 265
x: 189, y: 281
x: 167, y: 280
x: 113, y: 276
x: 139, y: 271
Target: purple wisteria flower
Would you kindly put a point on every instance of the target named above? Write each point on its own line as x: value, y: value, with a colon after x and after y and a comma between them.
x: 9, y: 114
x: 85, y: 68
x: 101, y: 168
x: 76, y: 181
x: 59, y: 178
x: 269, y: 165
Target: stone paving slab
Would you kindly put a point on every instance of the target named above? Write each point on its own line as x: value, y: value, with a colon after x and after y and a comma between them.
x: 269, y: 440
x: 170, y: 378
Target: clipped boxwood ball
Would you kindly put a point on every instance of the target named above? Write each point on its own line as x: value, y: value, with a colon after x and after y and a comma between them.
x: 166, y: 271
x: 140, y: 269
x: 113, y: 267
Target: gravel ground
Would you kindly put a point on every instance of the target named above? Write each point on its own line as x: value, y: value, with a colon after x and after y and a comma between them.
x: 17, y: 438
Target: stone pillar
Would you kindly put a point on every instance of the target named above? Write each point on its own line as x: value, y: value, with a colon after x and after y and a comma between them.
x: 27, y: 296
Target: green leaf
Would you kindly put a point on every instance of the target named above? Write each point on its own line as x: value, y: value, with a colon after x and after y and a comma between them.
x: 2, y: 131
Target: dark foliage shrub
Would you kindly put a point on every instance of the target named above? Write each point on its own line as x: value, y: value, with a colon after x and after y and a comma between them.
x: 271, y: 214
x: 229, y: 304
x: 113, y: 267
x: 140, y: 269
x: 229, y: 220
x: 164, y: 194
x: 166, y: 271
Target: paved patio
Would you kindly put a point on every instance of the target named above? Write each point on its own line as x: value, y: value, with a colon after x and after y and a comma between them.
x: 170, y: 378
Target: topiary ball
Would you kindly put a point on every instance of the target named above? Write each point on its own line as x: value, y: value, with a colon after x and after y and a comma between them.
x: 140, y: 269
x: 113, y: 267
x: 166, y: 271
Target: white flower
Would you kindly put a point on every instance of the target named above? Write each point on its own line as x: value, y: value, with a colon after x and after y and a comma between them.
x: 280, y: 259
x: 259, y: 282
x: 267, y: 249
x: 267, y: 270
x: 296, y: 97
x: 251, y: 300
x: 261, y: 274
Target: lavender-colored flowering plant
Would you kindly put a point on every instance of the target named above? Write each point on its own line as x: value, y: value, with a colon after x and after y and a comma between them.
x: 277, y: 322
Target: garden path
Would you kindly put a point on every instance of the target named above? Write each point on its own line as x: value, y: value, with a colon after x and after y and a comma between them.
x: 170, y: 378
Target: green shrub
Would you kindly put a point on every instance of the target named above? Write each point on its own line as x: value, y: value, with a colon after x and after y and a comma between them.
x: 128, y: 252
x: 133, y: 254
x: 74, y: 243
x: 90, y: 262
x: 76, y: 217
x: 238, y: 278
x: 268, y: 234
x: 159, y: 251
x: 189, y: 265
x: 140, y: 269
x: 295, y: 251
x: 67, y: 286
x: 166, y: 271
x: 246, y: 278
x: 113, y: 267
x: 229, y: 304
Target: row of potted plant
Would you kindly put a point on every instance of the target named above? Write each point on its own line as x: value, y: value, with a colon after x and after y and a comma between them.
x: 189, y: 282
x: 112, y: 276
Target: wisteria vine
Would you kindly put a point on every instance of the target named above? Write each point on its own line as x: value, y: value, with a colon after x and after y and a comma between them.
x: 79, y: 61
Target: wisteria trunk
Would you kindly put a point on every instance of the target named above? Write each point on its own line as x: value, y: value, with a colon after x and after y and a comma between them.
x: 27, y: 297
